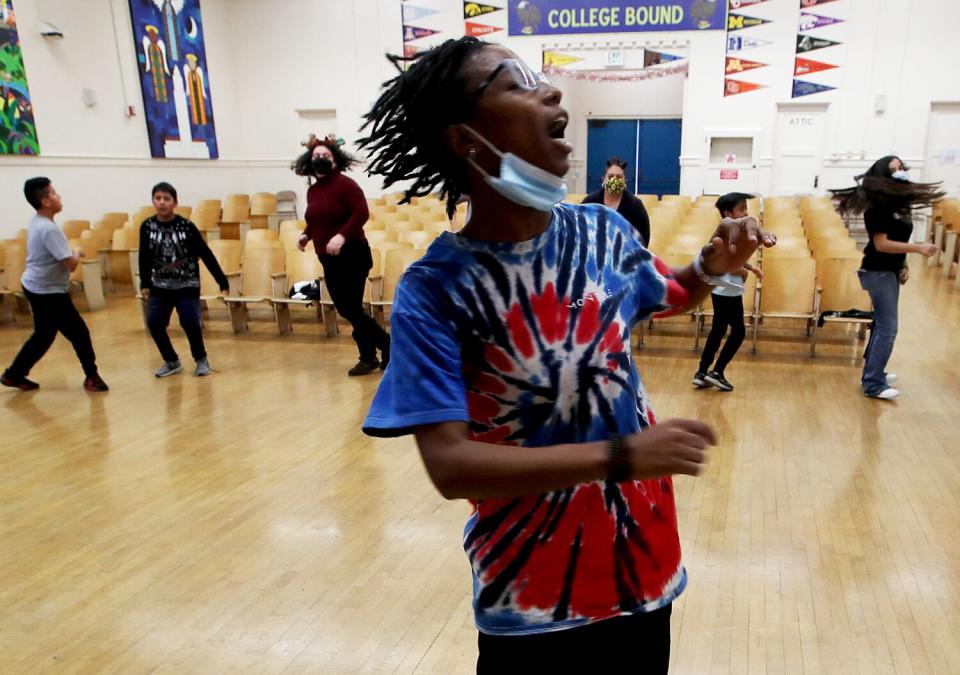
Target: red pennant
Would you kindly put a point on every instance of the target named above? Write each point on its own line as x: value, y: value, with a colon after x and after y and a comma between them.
x: 479, y: 29
x: 806, y: 66
x: 409, y: 52
x: 734, y: 87
x: 735, y: 65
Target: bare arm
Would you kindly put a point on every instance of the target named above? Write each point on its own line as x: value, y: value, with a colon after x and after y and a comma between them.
x: 72, y: 262
x: 884, y: 244
x: 465, y: 469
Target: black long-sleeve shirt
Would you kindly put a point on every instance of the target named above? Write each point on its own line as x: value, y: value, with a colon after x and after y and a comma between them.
x: 169, y: 252
x: 630, y: 208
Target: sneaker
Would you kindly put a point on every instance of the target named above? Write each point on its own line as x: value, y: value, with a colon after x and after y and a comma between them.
x: 21, y: 383
x: 363, y: 368
x: 891, y: 378
x: 385, y: 355
x: 169, y: 368
x: 203, y: 368
x: 700, y: 380
x: 887, y: 394
x: 718, y: 381
x: 95, y: 383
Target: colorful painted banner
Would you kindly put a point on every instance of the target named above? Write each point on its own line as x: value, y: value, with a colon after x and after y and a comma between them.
x: 736, y: 43
x: 807, y: 43
x: 806, y: 67
x: 813, y: 21
x: 802, y: 88
x: 174, y: 78
x: 414, y: 13
x: 411, y: 33
x: 472, y: 10
x: 566, y: 17
x: 740, y: 21
x: 734, y: 87
x: 735, y: 65
x: 18, y: 132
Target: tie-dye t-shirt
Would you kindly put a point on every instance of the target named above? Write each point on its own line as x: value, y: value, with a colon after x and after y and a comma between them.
x: 529, y: 343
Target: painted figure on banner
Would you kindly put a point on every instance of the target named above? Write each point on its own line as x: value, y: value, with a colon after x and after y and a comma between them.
x: 703, y: 11
x: 193, y: 74
x: 18, y: 132
x: 170, y: 11
x: 156, y: 63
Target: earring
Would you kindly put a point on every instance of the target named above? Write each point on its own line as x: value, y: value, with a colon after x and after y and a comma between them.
x: 472, y: 152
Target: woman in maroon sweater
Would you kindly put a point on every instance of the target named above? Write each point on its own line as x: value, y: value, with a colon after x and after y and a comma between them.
x: 336, y: 213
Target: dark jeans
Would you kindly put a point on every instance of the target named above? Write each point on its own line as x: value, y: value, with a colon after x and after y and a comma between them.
x: 637, y: 644
x: 884, y: 290
x: 727, y: 312
x: 159, y: 308
x: 53, y: 313
x: 346, y: 276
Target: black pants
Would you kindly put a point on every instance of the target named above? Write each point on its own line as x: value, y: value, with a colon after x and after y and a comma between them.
x: 53, y: 313
x: 727, y: 312
x: 638, y: 644
x: 160, y: 307
x: 346, y: 276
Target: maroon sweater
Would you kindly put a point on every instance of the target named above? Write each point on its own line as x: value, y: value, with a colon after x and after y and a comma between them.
x: 335, y: 205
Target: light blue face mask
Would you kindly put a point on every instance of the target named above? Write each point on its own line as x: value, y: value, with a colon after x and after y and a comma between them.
x: 900, y: 175
x: 520, y: 181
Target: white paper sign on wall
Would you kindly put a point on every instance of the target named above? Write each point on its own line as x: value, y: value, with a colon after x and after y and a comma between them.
x: 614, y: 59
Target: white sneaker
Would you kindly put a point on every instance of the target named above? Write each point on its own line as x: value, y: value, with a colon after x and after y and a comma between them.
x: 887, y: 394
x: 891, y: 378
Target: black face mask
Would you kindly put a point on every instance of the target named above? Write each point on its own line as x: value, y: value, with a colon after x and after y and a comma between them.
x: 322, y: 165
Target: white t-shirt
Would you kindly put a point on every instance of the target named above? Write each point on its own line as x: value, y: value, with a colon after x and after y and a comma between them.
x: 46, y: 247
x: 727, y: 292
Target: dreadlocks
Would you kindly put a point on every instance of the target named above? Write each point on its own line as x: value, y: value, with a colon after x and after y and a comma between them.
x: 878, y: 189
x: 406, y: 123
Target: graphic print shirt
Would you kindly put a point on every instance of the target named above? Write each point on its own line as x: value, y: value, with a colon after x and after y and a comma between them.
x: 169, y: 252
x: 529, y: 343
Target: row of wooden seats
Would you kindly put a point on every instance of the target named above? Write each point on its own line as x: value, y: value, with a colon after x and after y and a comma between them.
x: 946, y: 235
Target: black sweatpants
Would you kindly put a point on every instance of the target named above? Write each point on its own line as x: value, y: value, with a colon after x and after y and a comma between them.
x: 727, y: 313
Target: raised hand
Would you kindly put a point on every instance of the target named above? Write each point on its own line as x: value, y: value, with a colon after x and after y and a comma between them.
x: 734, y: 242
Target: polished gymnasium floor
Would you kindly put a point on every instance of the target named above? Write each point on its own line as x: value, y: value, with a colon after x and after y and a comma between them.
x: 241, y: 523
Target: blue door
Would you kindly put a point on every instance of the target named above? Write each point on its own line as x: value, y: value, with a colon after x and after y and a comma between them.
x: 652, y: 148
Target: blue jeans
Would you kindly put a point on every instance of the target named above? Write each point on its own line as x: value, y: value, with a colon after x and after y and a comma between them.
x: 884, y: 290
x: 160, y: 307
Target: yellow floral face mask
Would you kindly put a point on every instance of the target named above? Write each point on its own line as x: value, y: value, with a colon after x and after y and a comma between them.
x: 614, y: 185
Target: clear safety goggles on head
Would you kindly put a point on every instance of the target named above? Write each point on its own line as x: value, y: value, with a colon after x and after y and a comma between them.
x: 523, y: 75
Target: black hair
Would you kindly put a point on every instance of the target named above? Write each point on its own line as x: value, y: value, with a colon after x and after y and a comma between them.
x: 405, y: 141
x: 164, y: 186
x: 878, y: 189
x: 616, y: 161
x: 35, y: 190
x: 728, y: 202
x: 303, y: 165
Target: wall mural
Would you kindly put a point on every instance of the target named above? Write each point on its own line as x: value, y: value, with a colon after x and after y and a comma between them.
x: 172, y: 59
x: 18, y: 133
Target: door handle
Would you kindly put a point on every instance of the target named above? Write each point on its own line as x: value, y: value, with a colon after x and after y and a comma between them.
x: 816, y: 181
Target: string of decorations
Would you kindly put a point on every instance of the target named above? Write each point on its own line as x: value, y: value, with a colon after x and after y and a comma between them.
x: 678, y: 68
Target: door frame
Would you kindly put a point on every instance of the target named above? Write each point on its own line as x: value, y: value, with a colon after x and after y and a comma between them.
x: 636, y: 158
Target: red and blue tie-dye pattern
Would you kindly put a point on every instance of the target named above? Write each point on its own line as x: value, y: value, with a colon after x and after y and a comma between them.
x: 529, y: 344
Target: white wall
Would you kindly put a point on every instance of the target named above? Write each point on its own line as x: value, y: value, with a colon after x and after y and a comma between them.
x: 266, y: 63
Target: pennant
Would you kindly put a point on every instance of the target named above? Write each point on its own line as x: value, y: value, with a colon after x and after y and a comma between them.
x: 802, y: 88
x: 559, y: 60
x: 806, y: 66
x: 473, y: 29
x: 734, y: 5
x: 652, y: 58
x: 806, y: 43
x: 472, y: 10
x: 735, y: 65
x: 735, y: 43
x: 812, y: 3
x: 411, y: 33
x: 734, y: 87
x: 813, y: 21
x: 414, y: 13
x: 741, y: 21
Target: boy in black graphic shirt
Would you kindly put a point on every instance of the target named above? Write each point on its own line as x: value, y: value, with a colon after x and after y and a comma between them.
x: 170, y: 279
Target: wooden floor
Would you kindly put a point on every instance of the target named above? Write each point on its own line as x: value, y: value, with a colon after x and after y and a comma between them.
x: 241, y: 523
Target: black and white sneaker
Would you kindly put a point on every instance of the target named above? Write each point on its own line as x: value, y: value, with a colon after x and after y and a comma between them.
x: 700, y: 380
x: 718, y: 381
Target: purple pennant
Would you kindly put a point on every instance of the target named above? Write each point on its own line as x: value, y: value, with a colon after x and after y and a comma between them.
x: 411, y: 33
x: 813, y: 21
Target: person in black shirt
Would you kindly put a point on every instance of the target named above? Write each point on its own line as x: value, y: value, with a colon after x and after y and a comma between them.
x: 886, y: 197
x: 170, y: 279
x: 614, y: 195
